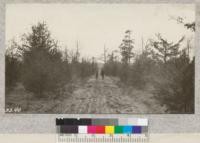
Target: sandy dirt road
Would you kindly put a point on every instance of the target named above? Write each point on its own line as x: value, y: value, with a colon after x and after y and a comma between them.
x: 105, y: 96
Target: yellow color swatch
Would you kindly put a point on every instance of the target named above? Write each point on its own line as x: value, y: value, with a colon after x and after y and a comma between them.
x: 109, y: 129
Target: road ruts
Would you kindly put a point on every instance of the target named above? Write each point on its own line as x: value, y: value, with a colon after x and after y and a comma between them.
x: 104, y: 96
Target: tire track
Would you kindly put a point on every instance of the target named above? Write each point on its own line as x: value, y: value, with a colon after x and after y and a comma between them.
x: 104, y: 96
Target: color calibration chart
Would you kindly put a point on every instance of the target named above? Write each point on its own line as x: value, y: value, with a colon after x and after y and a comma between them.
x: 93, y: 130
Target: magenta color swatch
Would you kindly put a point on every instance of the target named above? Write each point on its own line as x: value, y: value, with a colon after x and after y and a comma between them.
x: 91, y: 129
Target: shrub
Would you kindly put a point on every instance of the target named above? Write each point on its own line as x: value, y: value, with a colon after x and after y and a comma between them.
x: 176, y: 92
x: 12, y: 71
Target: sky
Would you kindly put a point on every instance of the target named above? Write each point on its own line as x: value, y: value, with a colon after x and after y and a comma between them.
x: 97, y: 25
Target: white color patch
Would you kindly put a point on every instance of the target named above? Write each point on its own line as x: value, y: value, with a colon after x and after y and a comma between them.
x: 82, y: 129
x: 143, y: 122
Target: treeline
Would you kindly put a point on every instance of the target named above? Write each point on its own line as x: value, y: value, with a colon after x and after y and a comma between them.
x: 38, y: 63
x: 164, y: 66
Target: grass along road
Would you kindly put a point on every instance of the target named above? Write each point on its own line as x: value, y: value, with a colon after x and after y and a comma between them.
x: 91, y: 96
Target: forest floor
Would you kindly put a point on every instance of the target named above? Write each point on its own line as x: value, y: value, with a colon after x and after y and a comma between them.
x: 92, y: 96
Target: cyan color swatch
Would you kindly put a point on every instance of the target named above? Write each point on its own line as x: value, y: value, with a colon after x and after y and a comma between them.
x: 127, y: 129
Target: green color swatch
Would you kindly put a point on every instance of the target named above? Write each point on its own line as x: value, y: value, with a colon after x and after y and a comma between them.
x: 118, y: 129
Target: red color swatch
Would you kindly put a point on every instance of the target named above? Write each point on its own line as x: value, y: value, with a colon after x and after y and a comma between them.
x: 100, y: 129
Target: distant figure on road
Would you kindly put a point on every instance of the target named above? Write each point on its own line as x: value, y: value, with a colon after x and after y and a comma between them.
x: 97, y: 74
x: 102, y: 73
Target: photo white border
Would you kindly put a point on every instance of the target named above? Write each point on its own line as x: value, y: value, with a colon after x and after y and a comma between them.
x: 45, y: 123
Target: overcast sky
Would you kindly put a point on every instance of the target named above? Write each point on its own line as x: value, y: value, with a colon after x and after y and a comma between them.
x: 94, y: 25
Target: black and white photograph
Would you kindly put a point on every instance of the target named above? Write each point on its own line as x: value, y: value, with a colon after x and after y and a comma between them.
x: 99, y: 58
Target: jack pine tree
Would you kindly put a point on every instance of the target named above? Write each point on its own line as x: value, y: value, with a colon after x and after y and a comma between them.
x: 126, y: 47
x: 166, y: 50
x: 41, y: 61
